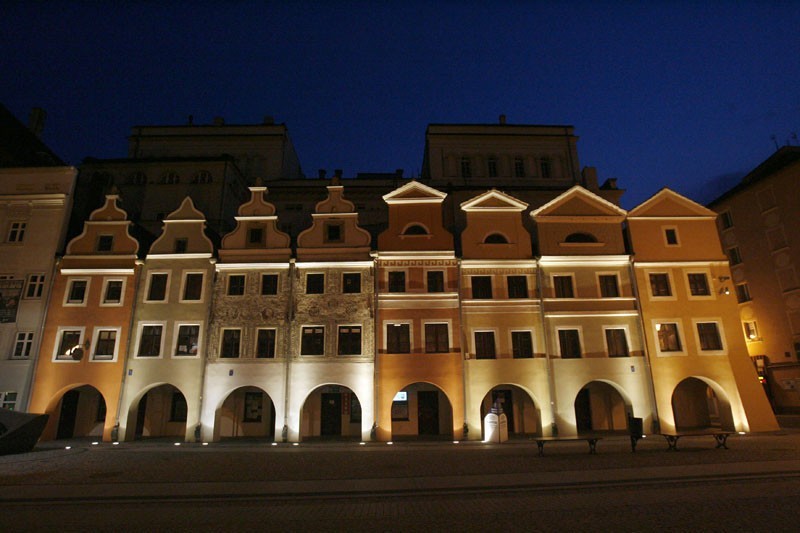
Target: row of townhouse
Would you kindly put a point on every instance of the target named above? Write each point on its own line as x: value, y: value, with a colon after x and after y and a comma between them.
x: 407, y: 340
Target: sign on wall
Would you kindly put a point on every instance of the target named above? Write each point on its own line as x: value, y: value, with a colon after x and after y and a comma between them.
x: 10, y: 293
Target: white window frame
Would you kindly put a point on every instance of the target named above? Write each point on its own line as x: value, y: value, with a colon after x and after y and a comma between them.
x: 5, y: 403
x: 255, y: 342
x: 557, y: 340
x: 21, y: 231
x: 95, y: 337
x: 677, y: 236
x: 361, y: 342
x: 67, y: 292
x: 139, y: 328
x: 146, y: 295
x: 121, y: 302
x: 681, y: 335
x: 228, y: 285
x: 600, y: 288
x: 449, y: 323
x: 185, y: 277
x: 670, y: 278
x: 222, y: 331
x: 425, y: 271
x: 720, y: 332
x: 175, y: 334
x: 39, y: 284
x: 324, y: 340
x: 405, y: 285
x: 27, y: 342
x: 511, y: 341
x: 277, y: 284
x: 360, y: 281
x: 474, y: 345
x: 712, y: 293
x: 59, y: 333
x: 627, y: 332
x: 388, y: 324
x: 554, y: 275
x: 324, y: 283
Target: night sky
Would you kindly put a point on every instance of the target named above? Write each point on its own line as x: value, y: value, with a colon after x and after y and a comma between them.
x: 678, y: 94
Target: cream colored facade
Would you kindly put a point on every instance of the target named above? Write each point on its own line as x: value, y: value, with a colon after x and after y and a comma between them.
x: 162, y: 383
x: 35, y: 204
x: 757, y: 222
x: 702, y: 374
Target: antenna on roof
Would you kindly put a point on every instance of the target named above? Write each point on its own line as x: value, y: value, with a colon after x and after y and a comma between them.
x: 775, y: 140
x: 792, y: 137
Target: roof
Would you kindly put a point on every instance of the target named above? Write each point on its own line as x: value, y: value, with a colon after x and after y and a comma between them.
x: 20, y: 147
x: 782, y: 158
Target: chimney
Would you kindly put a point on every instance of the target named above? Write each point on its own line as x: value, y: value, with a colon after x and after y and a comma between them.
x: 219, y: 121
x: 338, y: 173
x: 36, y: 121
x: 321, y: 172
x: 398, y: 173
x: 502, y: 119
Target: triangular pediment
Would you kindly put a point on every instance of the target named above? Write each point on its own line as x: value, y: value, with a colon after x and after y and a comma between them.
x: 414, y: 192
x: 494, y: 200
x: 668, y: 203
x: 578, y: 202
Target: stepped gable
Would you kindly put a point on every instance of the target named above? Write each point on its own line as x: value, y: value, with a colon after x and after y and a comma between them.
x: 256, y: 238
x: 334, y: 234
x: 91, y: 249
x: 494, y: 227
x: 415, y: 220
x: 188, y: 223
x: 579, y: 222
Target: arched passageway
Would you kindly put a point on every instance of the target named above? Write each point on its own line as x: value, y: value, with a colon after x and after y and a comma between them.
x: 81, y: 413
x: 247, y: 412
x: 331, y: 412
x: 421, y: 411
x: 161, y: 412
x: 600, y: 407
x: 522, y: 414
x: 695, y: 405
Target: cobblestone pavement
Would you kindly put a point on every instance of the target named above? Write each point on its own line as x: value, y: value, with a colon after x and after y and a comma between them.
x: 753, y: 486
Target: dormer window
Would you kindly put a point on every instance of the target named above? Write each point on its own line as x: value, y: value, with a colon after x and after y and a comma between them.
x: 333, y: 232
x: 255, y: 236
x: 415, y: 229
x: 580, y: 238
x: 181, y: 245
x: 495, y: 238
x: 105, y: 243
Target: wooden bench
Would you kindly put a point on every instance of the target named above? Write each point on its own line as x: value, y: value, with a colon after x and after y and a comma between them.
x: 721, y: 436
x: 590, y: 439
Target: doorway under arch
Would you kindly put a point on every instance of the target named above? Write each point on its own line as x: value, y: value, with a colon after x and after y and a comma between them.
x: 246, y: 413
x: 161, y: 412
x: 522, y: 414
x: 695, y: 405
x: 421, y: 411
x: 81, y: 413
x: 331, y: 412
x: 601, y: 407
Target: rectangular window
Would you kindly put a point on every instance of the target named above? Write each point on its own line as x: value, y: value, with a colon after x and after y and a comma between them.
x: 743, y: 293
x: 400, y: 406
x: 157, y: 290
x: 545, y: 168
x: 255, y: 236
x: 333, y: 232
x: 150, y: 341
x: 23, y: 344
x: 569, y: 340
x: 231, y: 341
x: 671, y: 236
x: 105, y: 344
x: 521, y: 344
x: 313, y: 341
x: 751, y: 330
x: 517, y: 286
x: 659, y: 285
x: 113, y: 292
x: 397, y: 281
x: 466, y: 167
x: 76, y: 291
x: 351, y: 283
x: 484, y: 345
x: 105, y: 243
x: 436, y: 339
x: 265, y: 344
x: 617, y: 343
x: 16, y: 231
x: 481, y: 287
x: 519, y: 168
x: 398, y: 338
x: 349, y: 340
x: 668, y: 338
x: 435, y: 280
x: 8, y: 400
x: 236, y: 284
x: 188, y: 339
x: 35, y: 286
x: 253, y: 406
x: 708, y: 333
x: 563, y: 286
x: 734, y: 255
x: 193, y: 286
x: 609, y: 287
x: 491, y: 164
x: 698, y: 284
x: 70, y: 341
x: 269, y: 284
x: 178, y: 410
x: 315, y: 283
x: 726, y: 220
x: 181, y: 245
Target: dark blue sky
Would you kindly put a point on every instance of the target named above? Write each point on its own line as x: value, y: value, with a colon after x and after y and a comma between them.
x: 677, y: 94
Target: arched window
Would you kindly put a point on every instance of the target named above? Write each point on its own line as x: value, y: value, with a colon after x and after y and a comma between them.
x: 415, y: 229
x: 495, y: 238
x: 203, y: 176
x: 170, y: 177
x: 580, y: 237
